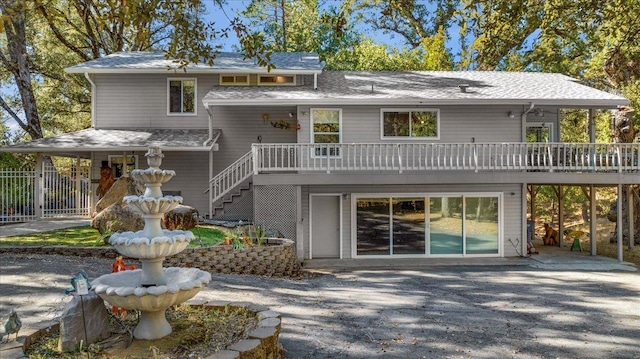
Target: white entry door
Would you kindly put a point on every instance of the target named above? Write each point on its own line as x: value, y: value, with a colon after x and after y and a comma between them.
x: 325, y: 226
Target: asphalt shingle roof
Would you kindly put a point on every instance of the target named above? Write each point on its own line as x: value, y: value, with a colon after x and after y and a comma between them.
x: 115, y: 139
x: 140, y: 62
x: 424, y: 87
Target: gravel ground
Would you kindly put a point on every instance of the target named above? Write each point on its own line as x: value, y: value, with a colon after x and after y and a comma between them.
x: 452, y: 312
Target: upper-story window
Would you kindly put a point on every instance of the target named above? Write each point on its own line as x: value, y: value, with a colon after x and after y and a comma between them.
x: 182, y: 96
x: 326, y: 124
x: 234, y: 79
x: 410, y: 124
x: 278, y: 80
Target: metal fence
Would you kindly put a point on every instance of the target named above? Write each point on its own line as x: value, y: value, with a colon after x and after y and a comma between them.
x: 58, y: 192
x: 17, y: 195
x: 66, y: 191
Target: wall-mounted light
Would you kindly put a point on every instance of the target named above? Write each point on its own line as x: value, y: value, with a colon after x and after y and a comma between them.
x: 346, y: 196
x: 290, y: 114
x: 511, y: 115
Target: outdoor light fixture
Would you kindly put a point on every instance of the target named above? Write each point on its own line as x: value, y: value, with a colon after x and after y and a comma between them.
x: 539, y: 112
x: 511, y: 115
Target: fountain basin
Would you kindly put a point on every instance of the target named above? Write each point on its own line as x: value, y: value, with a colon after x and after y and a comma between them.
x: 150, y: 205
x: 152, y: 175
x: 137, y: 245
x: 117, y: 289
x: 152, y: 301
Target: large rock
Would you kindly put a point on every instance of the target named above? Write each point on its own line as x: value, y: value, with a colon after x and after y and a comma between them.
x: 85, y: 319
x: 124, y: 186
x: 181, y: 217
x: 112, y: 215
x: 117, y: 218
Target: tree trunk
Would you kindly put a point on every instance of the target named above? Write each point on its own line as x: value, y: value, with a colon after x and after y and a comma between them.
x: 18, y: 65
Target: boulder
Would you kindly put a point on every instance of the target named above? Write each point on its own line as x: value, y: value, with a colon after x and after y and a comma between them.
x: 85, y: 319
x: 182, y: 217
x: 117, y: 218
x: 124, y: 186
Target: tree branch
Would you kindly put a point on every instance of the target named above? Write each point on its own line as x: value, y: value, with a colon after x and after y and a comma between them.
x: 11, y: 113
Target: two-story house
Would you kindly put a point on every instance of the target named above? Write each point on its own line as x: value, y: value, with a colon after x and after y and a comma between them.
x: 348, y: 164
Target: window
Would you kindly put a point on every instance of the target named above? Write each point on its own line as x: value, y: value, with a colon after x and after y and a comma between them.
x: 325, y: 129
x: 539, y: 132
x: 182, y: 96
x: 234, y: 79
x: 117, y: 164
x: 276, y: 80
x: 410, y: 124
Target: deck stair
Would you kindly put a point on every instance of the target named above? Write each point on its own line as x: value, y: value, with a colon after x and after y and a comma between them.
x: 230, y: 187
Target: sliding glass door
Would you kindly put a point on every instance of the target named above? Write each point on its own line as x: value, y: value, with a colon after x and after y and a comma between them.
x: 445, y: 225
x: 427, y: 225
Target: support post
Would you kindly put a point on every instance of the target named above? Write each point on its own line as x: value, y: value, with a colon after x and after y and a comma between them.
x: 524, y: 233
x: 593, y: 225
x: 210, y: 185
x: 77, y: 180
x: 39, y: 187
x: 630, y: 217
x: 560, y: 215
x: 619, y: 224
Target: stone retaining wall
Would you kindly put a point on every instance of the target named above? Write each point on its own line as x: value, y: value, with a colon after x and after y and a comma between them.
x: 277, y: 258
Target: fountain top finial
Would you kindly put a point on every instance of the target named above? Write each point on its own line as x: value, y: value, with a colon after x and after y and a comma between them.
x: 154, y: 157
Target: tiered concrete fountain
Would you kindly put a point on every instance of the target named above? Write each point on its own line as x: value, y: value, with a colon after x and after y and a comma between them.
x: 153, y: 288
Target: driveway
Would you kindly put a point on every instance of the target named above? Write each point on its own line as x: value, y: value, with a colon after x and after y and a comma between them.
x: 435, y: 312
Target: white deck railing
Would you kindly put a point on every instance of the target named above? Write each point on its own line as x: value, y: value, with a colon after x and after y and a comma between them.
x: 562, y: 157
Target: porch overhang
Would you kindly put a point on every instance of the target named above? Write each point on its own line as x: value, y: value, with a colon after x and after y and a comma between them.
x: 109, y: 140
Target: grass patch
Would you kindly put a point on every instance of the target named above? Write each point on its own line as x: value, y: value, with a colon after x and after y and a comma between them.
x: 88, y: 236
x: 79, y: 236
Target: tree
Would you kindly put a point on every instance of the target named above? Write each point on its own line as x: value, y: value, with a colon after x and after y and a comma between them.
x: 44, y: 36
x: 15, y: 61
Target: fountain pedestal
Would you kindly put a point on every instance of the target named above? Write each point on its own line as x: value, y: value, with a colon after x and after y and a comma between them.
x: 153, y: 288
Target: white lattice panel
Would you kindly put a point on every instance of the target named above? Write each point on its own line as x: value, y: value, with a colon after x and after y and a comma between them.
x: 275, y: 208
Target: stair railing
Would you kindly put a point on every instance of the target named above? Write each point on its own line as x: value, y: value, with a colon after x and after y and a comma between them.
x: 230, y: 178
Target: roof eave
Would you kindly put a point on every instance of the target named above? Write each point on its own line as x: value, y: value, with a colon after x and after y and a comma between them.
x: 581, y: 103
x: 51, y: 149
x: 76, y: 70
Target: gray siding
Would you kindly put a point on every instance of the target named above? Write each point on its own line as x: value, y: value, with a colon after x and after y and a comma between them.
x: 242, y: 125
x: 458, y: 124
x: 511, y: 215
x: 140, y: 101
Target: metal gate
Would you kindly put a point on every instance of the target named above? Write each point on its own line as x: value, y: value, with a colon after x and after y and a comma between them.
x: 66, y: 191
x: 59, y: 191
x: 17, y: 195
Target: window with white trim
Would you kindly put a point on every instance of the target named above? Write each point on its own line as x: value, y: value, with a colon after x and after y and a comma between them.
x: 234, y: 80
x: 326, y: 125
x: 410, y: 123
x: 181, y: 96
x: 122, y: 165
x: 276, y: 80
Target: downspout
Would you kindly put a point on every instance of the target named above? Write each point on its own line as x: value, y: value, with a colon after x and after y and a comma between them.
x: 93, y: 99
x: 210, y: 161
x: 315, y: 81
